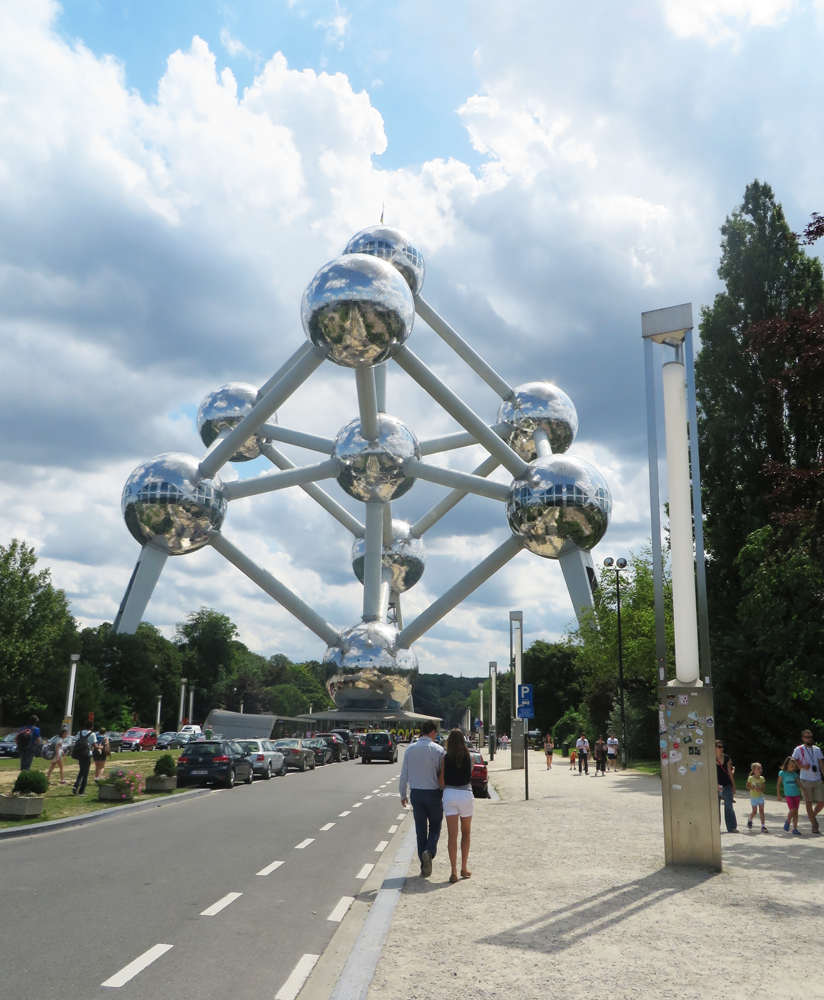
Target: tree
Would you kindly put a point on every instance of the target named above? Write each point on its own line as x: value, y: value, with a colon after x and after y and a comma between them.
x: 205, y: 640
x: 554, y: 671
x: 37, y: 634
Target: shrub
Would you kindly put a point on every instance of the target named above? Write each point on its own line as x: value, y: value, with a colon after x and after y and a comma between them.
x: 165, y: 766
x: 31, y: 783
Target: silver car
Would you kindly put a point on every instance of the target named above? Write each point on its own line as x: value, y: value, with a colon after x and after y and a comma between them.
x: 266, y: 761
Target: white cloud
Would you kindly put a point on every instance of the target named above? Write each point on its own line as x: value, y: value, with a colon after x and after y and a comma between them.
x: 337, y: 26
x: 718, y: 20
x: 235, y: 47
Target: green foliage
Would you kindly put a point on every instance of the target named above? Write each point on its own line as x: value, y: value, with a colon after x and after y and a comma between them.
x: 165, y: 766
x: 554, y: 671
x: 31, y: 783
x: 569, y: 727
x: 286, y: 699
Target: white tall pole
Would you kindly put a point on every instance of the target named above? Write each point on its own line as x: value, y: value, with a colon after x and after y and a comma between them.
x: 159, y: 703
x: 685, y: 620
x: 493, y: 698
x: 191, y: 702
x: 182, y: 703
x: 481, y: 715
x: 70, y: 696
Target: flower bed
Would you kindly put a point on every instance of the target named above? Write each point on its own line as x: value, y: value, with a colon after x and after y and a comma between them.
x: 120, y: 785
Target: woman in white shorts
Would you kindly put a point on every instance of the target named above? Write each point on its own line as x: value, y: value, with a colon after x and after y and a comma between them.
x: 458, y: 801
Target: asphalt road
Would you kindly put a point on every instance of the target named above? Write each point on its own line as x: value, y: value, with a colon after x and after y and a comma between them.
x: 80, y: 904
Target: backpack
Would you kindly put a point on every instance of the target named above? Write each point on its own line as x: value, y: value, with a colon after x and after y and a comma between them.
x: 81, y: 750
x: 24, y: 739
x: 48, y: 752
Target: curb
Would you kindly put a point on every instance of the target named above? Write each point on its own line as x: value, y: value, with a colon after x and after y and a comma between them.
x: 70, y: 821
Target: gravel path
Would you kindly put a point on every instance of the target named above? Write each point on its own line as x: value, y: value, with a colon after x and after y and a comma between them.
x: 570, y: 899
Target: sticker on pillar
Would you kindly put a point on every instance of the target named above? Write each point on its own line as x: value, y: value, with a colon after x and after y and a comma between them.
x: 699, y: 743
x: 664, y: 743
x: 710, y: 722
x: 670, y: 702
x: 687, y: 738
x: 674, y: 757
x: 682, y: 770
x: 693, y: 767
x: 695, y: 751
x: 683, y: 699
x: 693, y: 716
x: 676, y: 745
x: 699, y: 732
x: 669, y: 713
x: 677, y: 787
x: 701, y: 720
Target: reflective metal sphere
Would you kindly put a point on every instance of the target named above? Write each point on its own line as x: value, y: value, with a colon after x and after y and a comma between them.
x: 393, y: 245
x: 165, y: 500
x: 373, y: 470
x: 405, y: 557
x: 559, y: 504
x: 224, y: 409
x: 372, y: 648
x: 359, y: 310
x: 537, y: 405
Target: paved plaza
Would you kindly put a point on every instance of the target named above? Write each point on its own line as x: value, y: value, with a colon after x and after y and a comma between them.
x: 570, y: 899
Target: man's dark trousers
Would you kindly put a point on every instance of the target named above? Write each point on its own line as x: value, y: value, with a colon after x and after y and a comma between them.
x: 427, y: 808
x: 583, y: 761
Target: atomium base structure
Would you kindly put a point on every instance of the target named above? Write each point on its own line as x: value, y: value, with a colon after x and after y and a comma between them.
x: 358, y: 312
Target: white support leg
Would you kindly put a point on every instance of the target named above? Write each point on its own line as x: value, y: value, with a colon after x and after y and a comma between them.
x: 380, y: 386
x: 463, y: 439
x: 144, y: 579
x: 372, y: 561
x: 579, y: 574
x: 268, y: 482
x: 542, y: 445
x: 274, y: 432
x: 395, y: 600
x: 388, y: 530
x: 367, y: 403
x: 456, y: 480
x: 442, y: 507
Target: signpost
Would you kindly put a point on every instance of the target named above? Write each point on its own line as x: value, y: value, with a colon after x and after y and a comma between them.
x: 526, y: 710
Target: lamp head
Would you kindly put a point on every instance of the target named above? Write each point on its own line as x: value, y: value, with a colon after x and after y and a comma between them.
x: 609, y: 562
x: 621, y: 564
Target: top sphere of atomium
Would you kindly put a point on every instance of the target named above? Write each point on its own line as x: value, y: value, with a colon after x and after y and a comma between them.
x: 370, y: 645
x: 395, y: 246
x: 405, y: 558
x: 166, y: 501
x: 224, y: 409
x: 359, y: 310
x: 538, y: 406
x: 373, y: 470
x: 559, y: 504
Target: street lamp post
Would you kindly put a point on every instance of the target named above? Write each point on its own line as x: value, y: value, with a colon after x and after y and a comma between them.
x: 516, y: 653
x: 619, y: 565
x: 493, y: 708
x: 481, y: 715
x: 182, y: 703
x: 70, y: 696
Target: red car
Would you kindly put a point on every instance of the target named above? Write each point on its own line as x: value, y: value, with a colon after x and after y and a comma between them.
x: 139, y: 739
x: 480, y: 777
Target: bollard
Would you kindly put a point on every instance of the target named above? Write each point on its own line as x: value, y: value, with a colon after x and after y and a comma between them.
x: 526, y: 767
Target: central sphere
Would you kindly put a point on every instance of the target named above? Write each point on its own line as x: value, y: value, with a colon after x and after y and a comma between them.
x: 393, y: 245
x: 224, y: 409
x: 359, y: 310
x: 559, y: 504
x: 370, y: 646
x: 405, y: 557
x: 373, y: 470
x: 538, y: 406
x: 167, y: 501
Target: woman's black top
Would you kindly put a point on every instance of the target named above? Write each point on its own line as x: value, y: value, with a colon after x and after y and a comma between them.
x: 457, y: 777
x: 723, y: 771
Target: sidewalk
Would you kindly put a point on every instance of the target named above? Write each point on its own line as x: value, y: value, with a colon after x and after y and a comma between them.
x: 569, y: 899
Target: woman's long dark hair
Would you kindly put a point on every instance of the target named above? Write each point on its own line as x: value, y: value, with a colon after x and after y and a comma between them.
x: 456, y: 749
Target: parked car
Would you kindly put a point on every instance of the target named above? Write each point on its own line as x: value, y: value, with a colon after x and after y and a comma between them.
x: 171, y: 741
x: 297, y: 754
x: 322, y: 750
x: 379, y: 746
x: 139, y: 739
x: 222, y: 762
x: 266, y: 761
x: 349, y: 739
x: 115, y: 742
x: 192, y: 731
x: 337, y: 744
x: 480, y: 776
x: 8, y: 746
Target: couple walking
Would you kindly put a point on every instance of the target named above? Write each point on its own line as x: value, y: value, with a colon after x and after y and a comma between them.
x: 438, y: 784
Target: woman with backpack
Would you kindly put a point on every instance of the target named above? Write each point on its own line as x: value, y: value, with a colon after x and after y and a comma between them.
x: 57, y: 756
x: 100, y: 751
x: 82, y: 753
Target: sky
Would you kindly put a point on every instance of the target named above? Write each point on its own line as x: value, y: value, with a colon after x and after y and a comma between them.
x: 173, y: 175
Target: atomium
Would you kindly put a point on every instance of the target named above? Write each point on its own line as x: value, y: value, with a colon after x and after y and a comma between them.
x: 358, y: 312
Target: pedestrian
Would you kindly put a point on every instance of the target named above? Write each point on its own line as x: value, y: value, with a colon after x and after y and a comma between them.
x: 809, y: 757
x: 57, y: 758
x: 725, y: 787
x: 458, y: 799
x: 505, y: 741
x: 755, y: 784
x: 582, y: 746
x: 420, y: 773
x: 600, y: 756
x: 612, y: 752
x: 549, y: 748
x: 573, y: 755
x: 100, y: 751
x: 28, y: 739
x: 82, y: 753
x: 788, y: 784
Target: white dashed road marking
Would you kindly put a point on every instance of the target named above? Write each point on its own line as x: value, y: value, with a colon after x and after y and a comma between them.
x: 368, y: 796
x: 364, y: 872
x: 402, y: 816
x: 304, y: 843
x: 357, y: 805
x: 382, y: 846
x: 220, y: 904
x: 328, y: 826
x: 340, y: 910
x: 393, y: 829
x: 270, y: 868
x: 376, y: 790
x: 300, y: 974
x: 345, y: 812
x: 138, y: 965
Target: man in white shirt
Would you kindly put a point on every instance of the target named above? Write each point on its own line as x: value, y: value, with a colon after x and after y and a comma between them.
x: 809, y: 758
x: 419, y: 783
x: 612, y: 752
x: 582, y: 746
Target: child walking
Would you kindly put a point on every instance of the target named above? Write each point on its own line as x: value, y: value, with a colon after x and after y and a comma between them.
x: 788, y: 778
x: 755, y: 784
x: 572, y: 758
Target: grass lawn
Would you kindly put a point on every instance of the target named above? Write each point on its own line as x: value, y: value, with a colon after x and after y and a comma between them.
x: 59, y: 802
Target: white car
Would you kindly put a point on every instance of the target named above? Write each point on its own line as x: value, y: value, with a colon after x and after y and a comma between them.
x: 266, y: 761
x: 191, y: 731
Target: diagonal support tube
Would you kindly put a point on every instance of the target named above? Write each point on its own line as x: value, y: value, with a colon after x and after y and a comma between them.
x: 320, y: 496
x: 457, y: 408
x: 461, y: 590
x: 367, y: 403
x: 388, y: 530
x: 274, y: 432
x: 287, y: 366
x: 268, y: 482
x: 463, y: 439
x: 456, y: 480
x: 260, y: 412
x: 274, y: 588
x: 443, y: 507
x: 380, y: 386
x: 143, y: 581
x: 462, y: 349
x: 373, y: 561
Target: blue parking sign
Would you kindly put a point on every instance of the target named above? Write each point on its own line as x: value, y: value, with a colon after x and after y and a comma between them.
x: 526, y: 705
